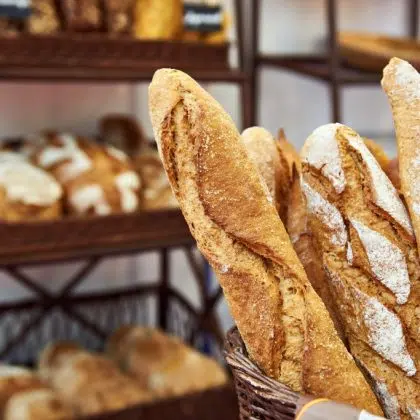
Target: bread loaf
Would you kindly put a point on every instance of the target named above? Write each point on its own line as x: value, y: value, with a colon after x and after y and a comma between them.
x: 96, y: 179
x: 263, y: 151
x: 284, y: 324
x: 378, y: 152
x: 163, y: 364
x: 42, y: 404
x: 89, y: 383
x: 369, y: 253
x: 401, y: 83
x: 27, y: 192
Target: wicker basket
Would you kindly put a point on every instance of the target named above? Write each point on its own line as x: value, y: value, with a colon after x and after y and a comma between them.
x: 259, y: 397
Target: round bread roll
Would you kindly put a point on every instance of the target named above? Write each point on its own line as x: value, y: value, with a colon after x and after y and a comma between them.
x: 156, y: 192
x: 97, y: 180
x: 162, y: 363
x: 14, y: 380
x: 27, y: 192
x: 42, y: 404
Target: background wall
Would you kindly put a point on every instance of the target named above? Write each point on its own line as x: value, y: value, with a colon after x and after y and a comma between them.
x: 295, y: 103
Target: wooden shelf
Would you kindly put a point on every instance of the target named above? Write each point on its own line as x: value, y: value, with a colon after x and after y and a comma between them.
x: 317, y: 66
x: 100, y: 58
x: 85, y: 74
x: 73, y: 238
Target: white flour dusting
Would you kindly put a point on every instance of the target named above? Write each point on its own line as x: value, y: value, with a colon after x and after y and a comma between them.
x: 386, y: 260
x: 321, y: 151
x: 327, y: 213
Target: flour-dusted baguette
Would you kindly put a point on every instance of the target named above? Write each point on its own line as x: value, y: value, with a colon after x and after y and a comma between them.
x: 282, y: 321
x: 369, y: 253
x: 297, y: 225
x: 401, y: 82
x: 263, y: 151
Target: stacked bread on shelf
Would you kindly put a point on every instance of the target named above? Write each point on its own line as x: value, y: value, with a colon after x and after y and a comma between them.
x: 348, y: 237
x: 163, y: 364
x: 142, y: 19
x: 141, y: 365
x: 52, y: 174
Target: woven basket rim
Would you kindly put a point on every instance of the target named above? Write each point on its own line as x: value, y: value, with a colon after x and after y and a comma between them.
x: 247, y: 372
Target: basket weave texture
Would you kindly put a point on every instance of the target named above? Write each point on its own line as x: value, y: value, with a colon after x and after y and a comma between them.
x: 259, y: 397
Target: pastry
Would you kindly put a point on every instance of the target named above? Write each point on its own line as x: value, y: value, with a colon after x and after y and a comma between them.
x: 158, y: 19
x: 401, y: 83
x: 284, y: 324
x: 89, y: 383
x: 369, y: 253
x: 122, y: 132
x: 27, y: 192
x: 42, y: 404
x: 120, y: 16
x: 156, y: 191
x: 43, y: 18
x: 162, y: 363
x: 82, y: 15
x: 96, y: 179
x: 263, y: 151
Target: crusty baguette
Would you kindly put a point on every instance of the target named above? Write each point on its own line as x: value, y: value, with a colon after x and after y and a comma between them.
x: 288, y: 151
x: 401, y: 83
x: 263, y: 151
x: 282, y: 321
x: 369, y: 253
x: 393, y: 173
x: 297, y: 226
x: 378, y: 152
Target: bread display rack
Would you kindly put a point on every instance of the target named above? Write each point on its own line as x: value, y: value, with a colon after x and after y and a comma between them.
x: 325, y: 67
x: 29, y: 324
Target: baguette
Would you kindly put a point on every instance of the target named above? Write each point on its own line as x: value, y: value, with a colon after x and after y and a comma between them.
x: 378, y: 152
x: 274, y: 169
x: 288, y: 151
x: 369, y: 253
x: 401, y: 83
x: 282, y: 321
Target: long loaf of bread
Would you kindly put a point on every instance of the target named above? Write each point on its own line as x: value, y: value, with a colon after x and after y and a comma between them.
x: 273, y: 167
x: 401, y: 82
x: 282, y: 321
x: 370, y: 255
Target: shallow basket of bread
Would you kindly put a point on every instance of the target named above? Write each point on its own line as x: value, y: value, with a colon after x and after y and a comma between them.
x: 316, y: 253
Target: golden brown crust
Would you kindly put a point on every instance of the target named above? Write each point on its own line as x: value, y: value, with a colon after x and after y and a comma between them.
x: 239, y: 231
x: 92, y: 384
x: 262, y: 149
x: 378, y: 152
x: 393, y: 173
x: 288, y: 151
x: 163, y: 364
x: 364, y: 234
x: 297, y: 226
x: 401, y: 82
x: 40, y: 404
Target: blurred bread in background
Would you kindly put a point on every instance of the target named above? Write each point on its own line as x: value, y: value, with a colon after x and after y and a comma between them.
x: 162, y: 363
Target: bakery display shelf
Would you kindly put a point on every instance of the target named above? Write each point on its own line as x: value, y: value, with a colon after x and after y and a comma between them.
x: 78, y: 237
x: 317, y: 66
x: 27, y: 326
x: 103, y: 58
